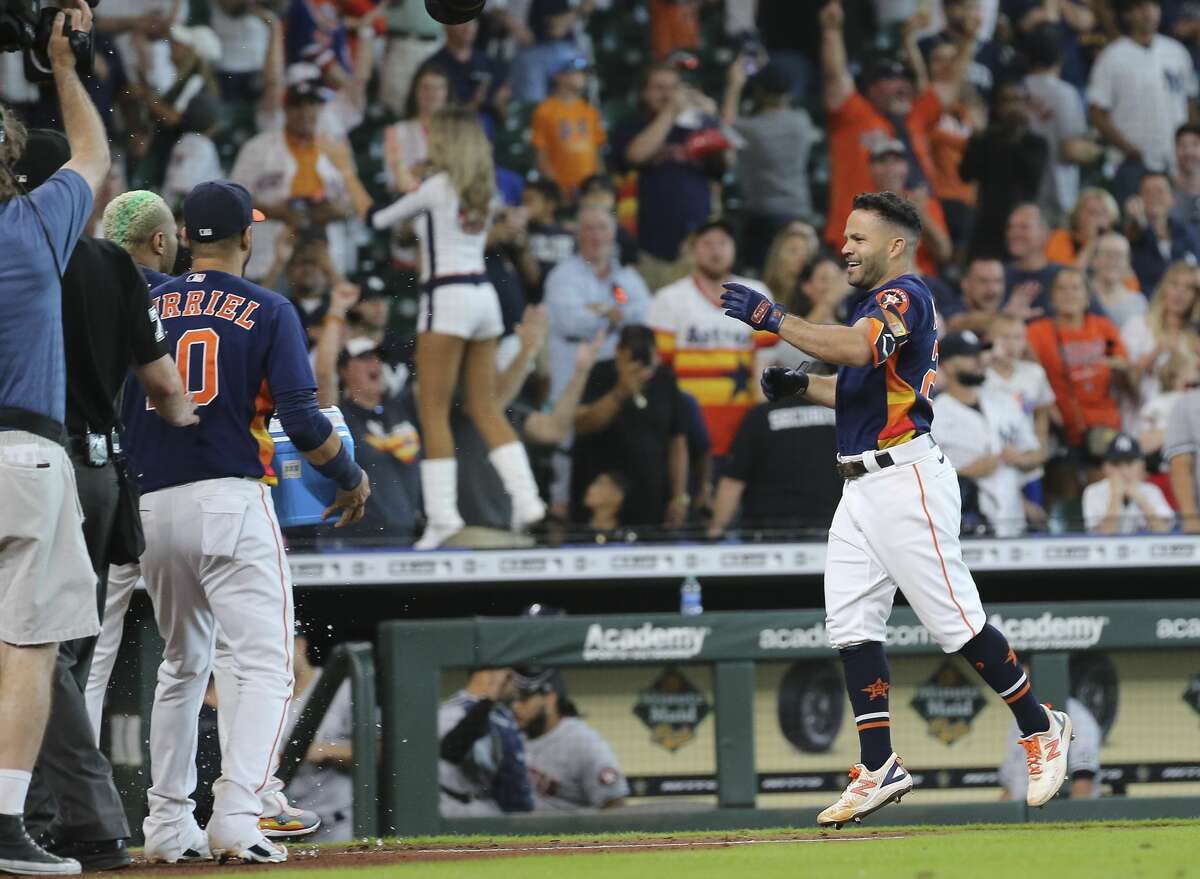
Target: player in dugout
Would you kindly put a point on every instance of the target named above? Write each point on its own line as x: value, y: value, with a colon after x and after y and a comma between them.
x: 571, y: 766
x: 897, y: 525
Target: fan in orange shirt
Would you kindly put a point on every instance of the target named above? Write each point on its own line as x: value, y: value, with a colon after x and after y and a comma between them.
x: 889, y: 173
x: 567, y: 130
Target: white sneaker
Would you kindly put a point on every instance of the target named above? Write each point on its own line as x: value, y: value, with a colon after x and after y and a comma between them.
x: 529, y: 512
x: 1046, y: 758
x: 186, y: 844
x: 262, y: 851
x: 436, y: 534
x: 868, y: 792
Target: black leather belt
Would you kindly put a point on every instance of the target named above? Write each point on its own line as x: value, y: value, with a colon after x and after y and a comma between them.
x: 855, y: 469
x: 12, y: 418
x: 446, y: 280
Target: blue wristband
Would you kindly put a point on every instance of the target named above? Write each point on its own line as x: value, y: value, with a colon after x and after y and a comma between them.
x: 342, y: 470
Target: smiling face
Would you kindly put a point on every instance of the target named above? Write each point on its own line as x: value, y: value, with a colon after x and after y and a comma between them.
x: 1178, y: 291
x: 1111, y: 260
x: 870, y: 242
x: 892, y: 96
x: 826, y: 284
x: 1068, y: 295
x: 1026, y: 232
x: 713, y: 253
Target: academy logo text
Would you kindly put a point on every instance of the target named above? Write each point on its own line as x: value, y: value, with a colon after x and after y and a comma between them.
x: 1178, y: 629
x: 647, y: 641
x: 815, y: 638
x: 1051, y: 632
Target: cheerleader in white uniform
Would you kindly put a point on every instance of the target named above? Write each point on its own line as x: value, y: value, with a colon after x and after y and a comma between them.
x: 459, y: 322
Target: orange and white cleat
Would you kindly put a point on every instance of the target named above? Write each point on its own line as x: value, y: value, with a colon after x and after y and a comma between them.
x: 868, y: 792
x: 1046, y: 758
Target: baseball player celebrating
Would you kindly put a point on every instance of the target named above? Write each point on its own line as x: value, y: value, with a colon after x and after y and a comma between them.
x: 897, y: 523
x: 214, y: 552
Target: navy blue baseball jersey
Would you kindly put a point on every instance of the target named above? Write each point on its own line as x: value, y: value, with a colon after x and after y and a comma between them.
x: 237, y: 346
x: 886, y: 402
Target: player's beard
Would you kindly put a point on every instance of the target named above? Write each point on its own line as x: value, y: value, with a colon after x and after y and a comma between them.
x: 869, y: 273
x: 536, y: 727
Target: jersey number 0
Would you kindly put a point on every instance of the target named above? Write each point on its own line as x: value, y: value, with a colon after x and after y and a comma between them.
x: 209, y: 343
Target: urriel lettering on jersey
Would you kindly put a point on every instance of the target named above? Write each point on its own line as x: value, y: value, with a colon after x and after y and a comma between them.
x: 887, y: 402
x: 211, y: 303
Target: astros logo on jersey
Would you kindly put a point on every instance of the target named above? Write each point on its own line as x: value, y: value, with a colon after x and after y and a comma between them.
x: 894, y: 299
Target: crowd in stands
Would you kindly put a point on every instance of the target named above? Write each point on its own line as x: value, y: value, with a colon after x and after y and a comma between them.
x: 648, y: 151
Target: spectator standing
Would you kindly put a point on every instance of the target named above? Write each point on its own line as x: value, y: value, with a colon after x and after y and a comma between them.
x: 1156, y: 238
x: 567, y: 131
x: 244, y: 29
x: 985, y: 434
x: 413, y: 36
x: 1028, y: 274
x: 1140, y: 91
x: 481, y: 770
x: 633, y: 421
x: 889, y: 173
x: 536, y: 64
x: 773, y: 162
x: 885, y: 109
x: 1169, y: 327
x: 1008, y: 160
x: 550, y: 242
x: 1057, y: 115
x: 475, y: 79
x: 49, y: 593
x: 293, y: 180
x: 139, y: 28
x: 1109, y: 270
x: 1187, y: 179
x: 715, y: 359
x: 1123, y: 502
x: 673, y: 144
x: 571, y: 766
x: 1180, y: 450
x: 674, y: 26
x: 322, y: 783
x: 762, y: 478
x: 965, y: 20
x: 406, y: 143
x: 458, y: 336
x: 316, y: 33
x: 588, y: 293
x: 1082, y: 354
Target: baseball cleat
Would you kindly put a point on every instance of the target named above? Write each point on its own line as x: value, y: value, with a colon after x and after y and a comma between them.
x: 1046, y: 758
x: 289, y: 823
x: 868, y: 792
x: 189, y: 846
x: 21, y: 855
x: 261, y: 852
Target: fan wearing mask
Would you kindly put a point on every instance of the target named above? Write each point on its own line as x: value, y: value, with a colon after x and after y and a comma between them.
x: 985, y: 434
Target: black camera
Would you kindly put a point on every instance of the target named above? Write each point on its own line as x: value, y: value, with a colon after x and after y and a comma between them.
x: 455, y: 11
x: 25, y: 26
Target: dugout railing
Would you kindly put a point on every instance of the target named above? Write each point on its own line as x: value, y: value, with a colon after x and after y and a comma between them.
x: 414, y: 656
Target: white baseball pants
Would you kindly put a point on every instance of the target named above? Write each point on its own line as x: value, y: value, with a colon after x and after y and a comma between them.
x: 214, y: 556
x: 897, y: 527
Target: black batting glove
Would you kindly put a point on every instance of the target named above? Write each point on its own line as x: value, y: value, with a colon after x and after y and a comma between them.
x: 778, y: 382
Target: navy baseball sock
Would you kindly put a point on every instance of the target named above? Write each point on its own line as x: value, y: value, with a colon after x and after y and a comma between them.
x: 997, y: 664
x: 867, y: 682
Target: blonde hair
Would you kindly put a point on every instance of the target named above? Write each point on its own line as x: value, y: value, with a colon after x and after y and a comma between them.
x: 1156, y: 318
x: 787, y: 290
x: 1105, y: 197
x: 458, y: 146
x: 11, y: 150
x: 131, y: 219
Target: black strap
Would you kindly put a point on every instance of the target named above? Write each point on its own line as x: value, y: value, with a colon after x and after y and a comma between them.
x: 446, y: 280
x: 33, y: 422
x: 455, y: 795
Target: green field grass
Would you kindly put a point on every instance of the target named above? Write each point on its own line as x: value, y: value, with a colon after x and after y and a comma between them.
x: 1155, y: 850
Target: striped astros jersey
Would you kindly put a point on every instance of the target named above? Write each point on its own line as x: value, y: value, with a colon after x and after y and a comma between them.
x: 713, y: 356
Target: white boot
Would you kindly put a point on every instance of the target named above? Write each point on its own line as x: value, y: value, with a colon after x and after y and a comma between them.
x: 439, y: 485
x: 512, y: 464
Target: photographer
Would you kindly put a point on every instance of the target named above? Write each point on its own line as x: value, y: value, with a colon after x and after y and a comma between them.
x: 48, y: 593
x: 107, y: 325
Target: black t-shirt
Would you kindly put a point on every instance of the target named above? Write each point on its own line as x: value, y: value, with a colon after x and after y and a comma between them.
x: 785, y: 453
x: 388, y: 447
x: 107, y: 326
x: 635, y: 443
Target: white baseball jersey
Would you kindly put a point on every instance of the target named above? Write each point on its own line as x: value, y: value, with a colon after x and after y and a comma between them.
x: 1096, y: 498
x: 967, y: 434
x: 325, y: 789
x: 572, y: 767
x: 1082, y: 756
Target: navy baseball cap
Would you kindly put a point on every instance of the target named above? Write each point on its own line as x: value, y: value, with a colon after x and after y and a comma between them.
x: 1122, y: 448
x: 964, y: 344
x: 46, y: 150
x: 217, y: 210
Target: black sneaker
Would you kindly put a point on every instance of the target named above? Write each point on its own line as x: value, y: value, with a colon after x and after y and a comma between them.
x: 105, y: 854
x: 21, y: 855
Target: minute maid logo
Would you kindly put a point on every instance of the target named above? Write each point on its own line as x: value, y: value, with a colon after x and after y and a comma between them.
x: 647, y: 641
x: 1051, y: 632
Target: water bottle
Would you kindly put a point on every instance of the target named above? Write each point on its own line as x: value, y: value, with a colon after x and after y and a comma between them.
x: 689, y: 598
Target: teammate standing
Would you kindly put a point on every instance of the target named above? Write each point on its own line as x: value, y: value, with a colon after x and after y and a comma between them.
x: 898, y: 520
x: 214, y: 552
